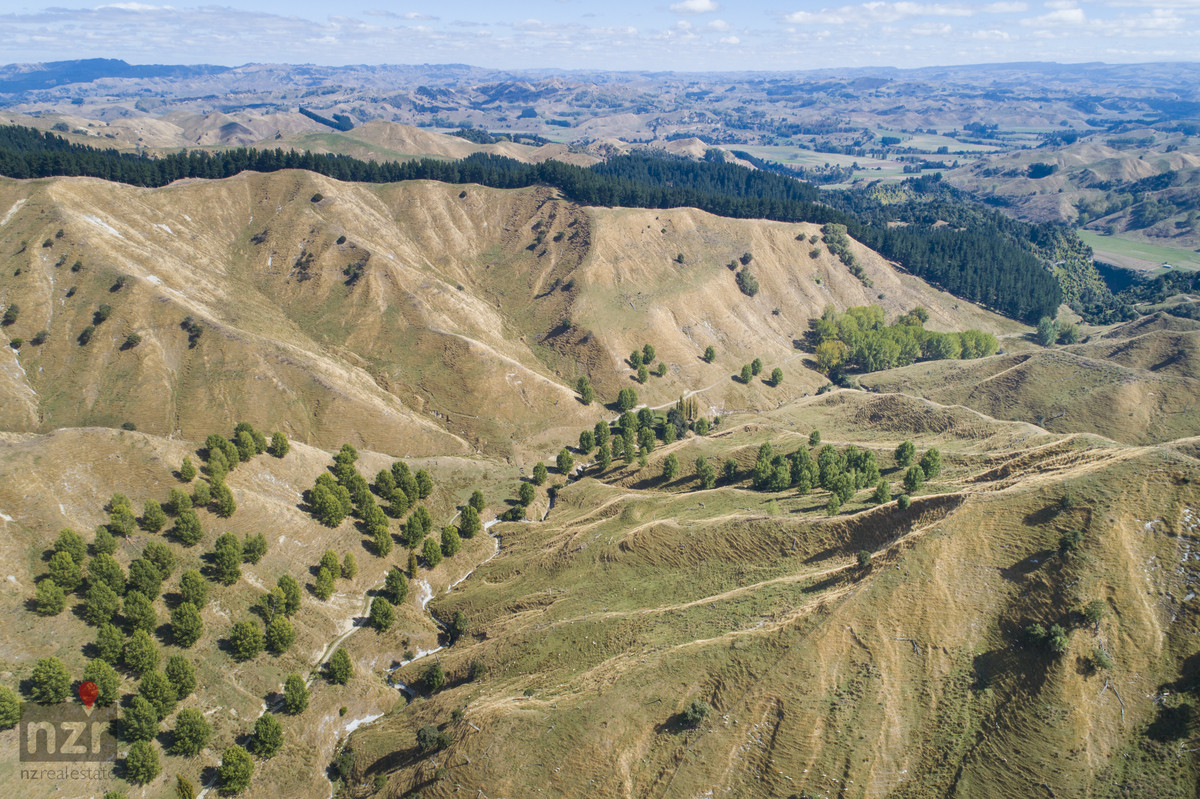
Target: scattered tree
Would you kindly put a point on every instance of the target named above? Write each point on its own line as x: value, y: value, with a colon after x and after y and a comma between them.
x: 253, y: 548
x: 280, y: 635
x: 434, y: 677
x: 382, y: 615
x: 246, y: 640
x: 50, y: 681
x: 432, y: 553
x: 451, y: 541
x: 705, y: 473
x: 1047, y: 331
x: 139, y: 613
x: 145, y: 578
x: 181, y: 674
x: 905, y: 453
x: 564, y: 462
x: 340, y: 668
x: 237, y: 767
x: 11, y: 708
x: 49, y: 598
x: 914, y: 478
x: 107, y: 681
x: 627, y: 398
x: 776, y: 376
x: 696, y: 712
x: 710, y: 354
x: 883, y: 493
x: 586, y: 392
x: 141, y: 653
x: 931, y: 463
x: 156, y: 689
x: 110, y: 644
x: 227, y: 559
x: 191, y: 734
x: 187, y: 529
x: 141, y: 764
x: 100, y: 603
x: 295, y: 694
x: 431, y: 739
x: 187, y: 472
x: 540, y: 473
x: 268, y: 736
x: 71, y: 542
x: 64, y: 571
x: 670, y: 468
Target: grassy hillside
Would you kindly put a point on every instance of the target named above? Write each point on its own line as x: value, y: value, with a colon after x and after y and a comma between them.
x: 418, y: 317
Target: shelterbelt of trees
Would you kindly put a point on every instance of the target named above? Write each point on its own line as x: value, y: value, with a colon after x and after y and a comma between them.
x: 987, y: 262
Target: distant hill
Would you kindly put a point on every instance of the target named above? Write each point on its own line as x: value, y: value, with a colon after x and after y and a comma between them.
x: 29, y: 77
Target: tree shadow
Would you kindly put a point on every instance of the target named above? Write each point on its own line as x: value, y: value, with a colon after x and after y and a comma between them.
x: 1171, y: 724
x: 1021, y: 569
x: 1043, y: 516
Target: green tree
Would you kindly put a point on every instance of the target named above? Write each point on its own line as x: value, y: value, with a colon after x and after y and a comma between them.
x: 323, y: 587
x: 100, y: 603
x: 756, y: 366
x: 905, y: 453
x: 153, y: 517
x: 710, y: 354
x: 776, y: 376
x: 121, y: 521
x: 451, y: 541
x: 186, y: 625
x: 434, y: 677
x: 253, y: 548
x: 187, y: 471
x: 50, y: 681
x: 1047, y: 331
x: 705, y: 473
x: 103, y: 568
x: 635, y: 359
x: 279, y: 445
x: 107, y: 681
x: 71, y: 542
x: 280, y: 635
x: 604, y: 457
x: 184, y: 788
x: 191, y: 734
x: 145, y: 578
x: 227, y: 559
x: 540, y: 473
x: 382, y: 615
x: 670, y: 468
x: 139, y: 613
x: 222, y: 498
x: 883, y: 493
x: 601, y: 433
x: 469, y: 523
x: 11, y: 708
x: 182, y: 675
x: 431, y: 739
x: 747, y: 373
x: 295, y: 694
x: 833, y: 505
x: 193, y: 588
x: 64, y: 571
x: 246, y: 640
x: 587, y: 441
x: 291, y: 594
x: 643, y: 374
x: 525, y: 493
x: 814, y: 438
x: 648, y: 354
x: 340, y: 668
x: 141, y: 764
x: 914, y: 478
x: 49, y: 598
x: 477, y: 501
x: 458, y: 626
x: 202, y: 494
x: 670, y: 433
x: 395, y: 586
x: 931, y: 463
x: 432, y: 553
x: 237, y: 767
x: 564, y: 461
x: 586, y: 392
x: 627, y: 398
x: 1068, y: 333
x: 349, y: 566
x: 103, y: 543
x: 903, y: 502
x: 139, y: 722
x: 110, y: 643
x: 245, y: 444
x: 268, y: 736
x: 141, y: 653
x: 156, y: 689
x: 701, y: 426
x: 162, y: 557
x: 177, y: 502
x: 863, y: 557
x: 187, y: 529
x: 696, y: 712
x: 424, y: 483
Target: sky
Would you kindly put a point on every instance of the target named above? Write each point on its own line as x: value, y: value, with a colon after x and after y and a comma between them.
x: 684, y: 35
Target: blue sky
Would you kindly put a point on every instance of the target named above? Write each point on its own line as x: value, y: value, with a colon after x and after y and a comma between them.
x: 618, y: 34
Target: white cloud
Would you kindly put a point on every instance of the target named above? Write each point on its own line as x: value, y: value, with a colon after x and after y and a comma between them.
x: 1061, y: 4
x: 730, y: 40
x: 1006, y: 8
x: 718, y: 25
x: 694, y: 7
x: 1063, y: 16
x: 876, y: 12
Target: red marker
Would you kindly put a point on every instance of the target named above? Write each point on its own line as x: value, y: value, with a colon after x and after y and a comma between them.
x: 88, y: 693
